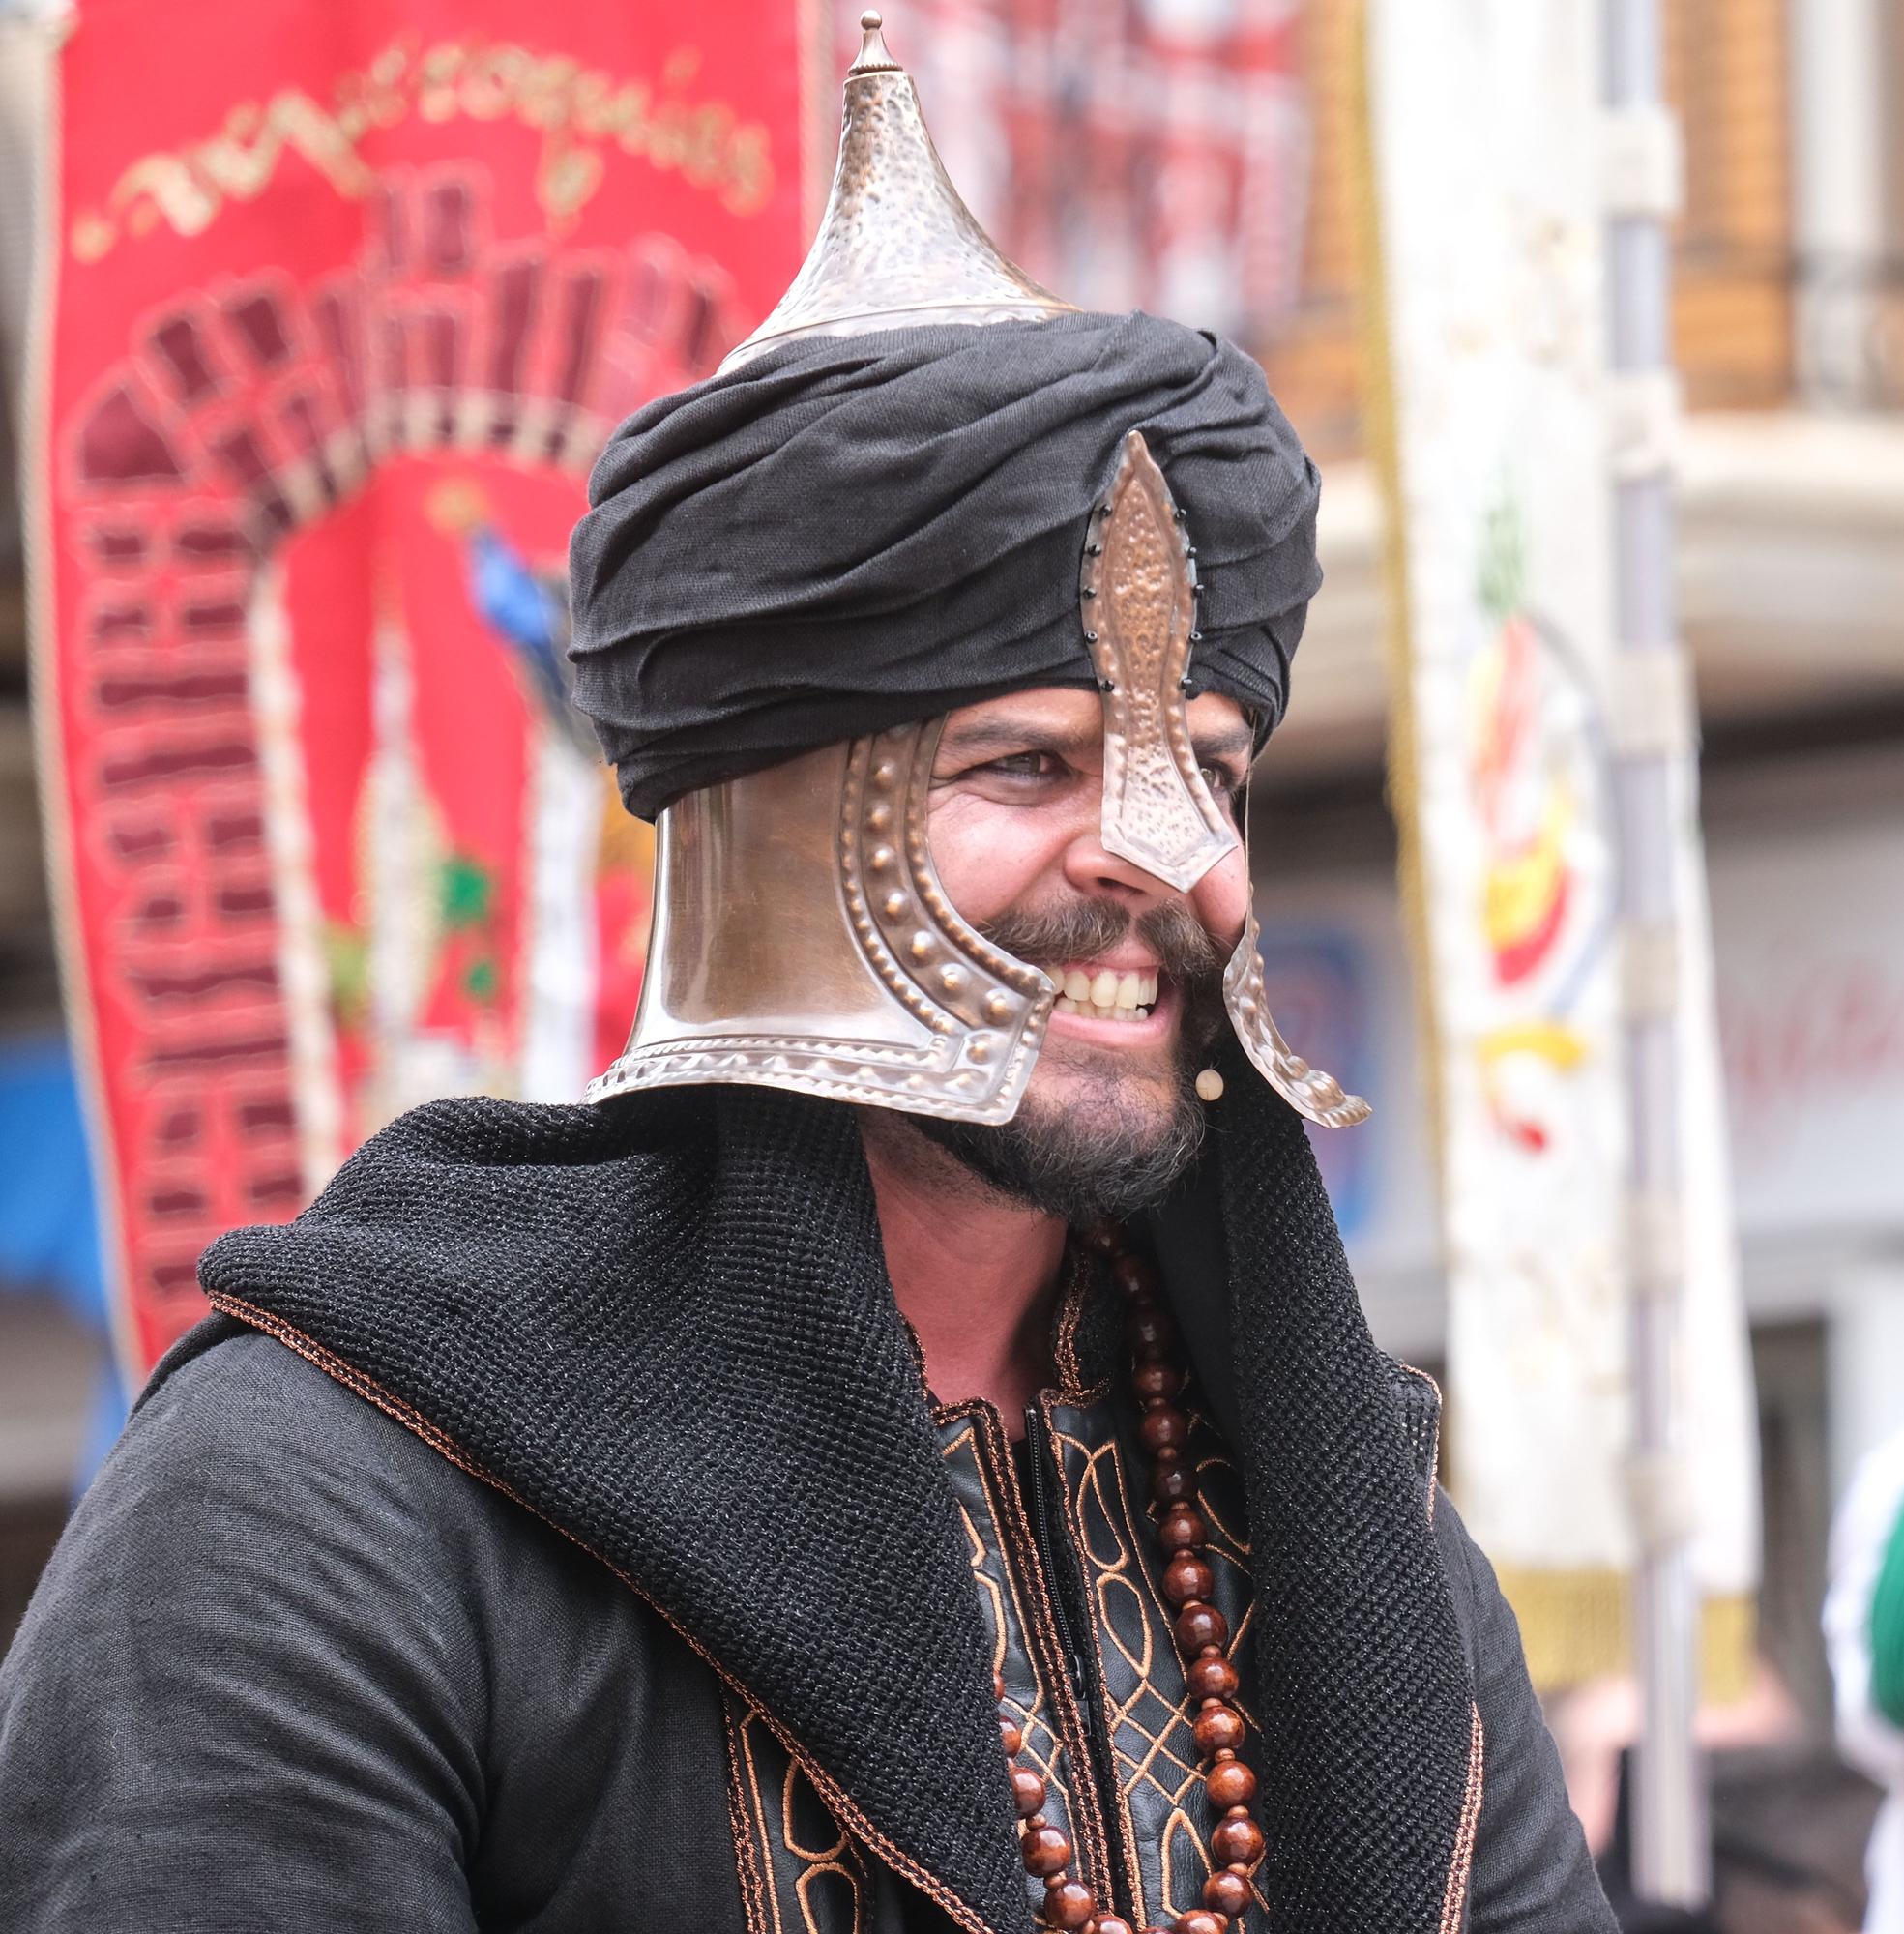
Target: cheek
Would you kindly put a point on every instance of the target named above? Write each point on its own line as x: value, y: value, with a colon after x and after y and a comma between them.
x: 1222, y: 898
x: 987, y: 856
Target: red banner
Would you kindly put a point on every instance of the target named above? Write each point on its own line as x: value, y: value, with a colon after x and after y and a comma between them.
x: 345, y: 301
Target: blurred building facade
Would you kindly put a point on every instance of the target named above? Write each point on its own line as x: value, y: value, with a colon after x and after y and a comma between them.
x: 1789, y: 325
x: 1789, y: 316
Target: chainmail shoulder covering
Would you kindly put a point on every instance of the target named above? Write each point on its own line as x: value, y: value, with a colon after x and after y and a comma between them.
x: 1363, y: 1682
x: 665, y: 1325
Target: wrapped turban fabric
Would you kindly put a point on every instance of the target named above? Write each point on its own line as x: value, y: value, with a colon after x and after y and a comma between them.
x: 852, y: 532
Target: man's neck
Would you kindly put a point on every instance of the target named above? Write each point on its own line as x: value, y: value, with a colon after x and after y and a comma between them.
x: 974, y: 1272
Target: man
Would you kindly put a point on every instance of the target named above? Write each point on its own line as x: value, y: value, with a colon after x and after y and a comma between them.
x: 910, y: 1456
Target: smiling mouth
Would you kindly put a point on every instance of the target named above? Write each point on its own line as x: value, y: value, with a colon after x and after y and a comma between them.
x: 1105, y: 993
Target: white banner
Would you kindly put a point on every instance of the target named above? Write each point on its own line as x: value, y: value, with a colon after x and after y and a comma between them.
x: 1485, y: 129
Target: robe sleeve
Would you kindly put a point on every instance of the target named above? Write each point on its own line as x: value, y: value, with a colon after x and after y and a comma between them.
x: 248, y: 1692
x: 1533, y: 1873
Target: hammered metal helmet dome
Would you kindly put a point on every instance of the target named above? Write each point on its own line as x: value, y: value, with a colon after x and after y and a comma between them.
x: 898, y: 246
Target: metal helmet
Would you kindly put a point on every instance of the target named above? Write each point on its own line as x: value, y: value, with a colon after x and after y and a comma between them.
x: 800, y: 936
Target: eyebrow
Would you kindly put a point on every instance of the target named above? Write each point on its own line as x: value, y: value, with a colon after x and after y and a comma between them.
x: 1236, y: 741
x: 1002, y: 735
x: 997, y: 734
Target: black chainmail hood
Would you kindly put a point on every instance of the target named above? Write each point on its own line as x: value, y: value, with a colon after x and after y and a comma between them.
x: 664, y: 1324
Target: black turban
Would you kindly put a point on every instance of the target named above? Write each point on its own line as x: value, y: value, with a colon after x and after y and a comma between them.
x: 851, y: 532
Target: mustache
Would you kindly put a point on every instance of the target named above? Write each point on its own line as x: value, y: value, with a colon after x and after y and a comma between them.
x: 1083, y: 928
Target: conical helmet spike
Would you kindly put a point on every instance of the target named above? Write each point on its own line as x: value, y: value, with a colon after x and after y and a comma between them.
x: 898, y: 247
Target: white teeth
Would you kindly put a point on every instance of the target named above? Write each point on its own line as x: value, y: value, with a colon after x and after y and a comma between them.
x: 1108, y: 995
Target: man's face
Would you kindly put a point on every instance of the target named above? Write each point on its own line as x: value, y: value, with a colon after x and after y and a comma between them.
x: 1108, y: 1117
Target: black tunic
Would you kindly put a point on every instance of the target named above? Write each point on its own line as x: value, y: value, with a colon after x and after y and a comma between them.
x: 582, y: 1564
x: 291, y: 1669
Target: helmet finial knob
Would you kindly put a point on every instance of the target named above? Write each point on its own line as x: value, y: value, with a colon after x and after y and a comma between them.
x: 873, y: 57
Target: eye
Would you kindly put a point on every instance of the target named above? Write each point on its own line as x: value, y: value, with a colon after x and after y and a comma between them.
x: 1024, y: 766
x: 1032, y: 775
x: 1221, y: 781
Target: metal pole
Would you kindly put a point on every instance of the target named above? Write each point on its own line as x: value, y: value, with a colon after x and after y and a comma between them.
x: 1670, y: 1838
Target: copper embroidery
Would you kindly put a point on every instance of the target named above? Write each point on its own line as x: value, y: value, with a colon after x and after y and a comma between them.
x: 1162, y: 1811
x: 801, y: 1871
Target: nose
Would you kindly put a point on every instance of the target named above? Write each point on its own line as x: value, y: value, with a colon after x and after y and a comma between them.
x: 1093, y: 871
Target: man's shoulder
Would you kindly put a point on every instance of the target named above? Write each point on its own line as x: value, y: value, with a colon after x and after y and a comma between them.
x: 247, y: 1476
x: 230, y: 1392
x: 237, y: 1443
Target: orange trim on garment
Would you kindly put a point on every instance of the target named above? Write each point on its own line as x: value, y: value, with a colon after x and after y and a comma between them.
x: 1072, y: 1299
x: 1461, y: 1865
x: 1041, y: 1647
x: 414, y: 1420
x: 753, y: 1891
x: 1455, y: 1900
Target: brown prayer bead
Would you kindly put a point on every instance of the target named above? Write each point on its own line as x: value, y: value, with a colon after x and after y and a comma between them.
x: 1231, y: 1783
x: 1163, y: 1428
x: 1183, y: 1529
x: 1069, y: 1903
x: 1212, y: 1675
x: 1156, y: 1379
x: 1134, y: 1276
x: 1200, y: 1625
x: 1173, y: 1484
x: 1237, y: 1840
x: 1202, y: 1633
x: 1186, y: 1578
x: 1217, y: 1726
x: 1147, y: 1328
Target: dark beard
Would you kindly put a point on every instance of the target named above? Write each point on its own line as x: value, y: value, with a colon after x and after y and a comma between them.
x: 1071, y: 1163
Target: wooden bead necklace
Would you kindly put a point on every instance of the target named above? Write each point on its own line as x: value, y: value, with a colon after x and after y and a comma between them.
x: 1202, y: 1634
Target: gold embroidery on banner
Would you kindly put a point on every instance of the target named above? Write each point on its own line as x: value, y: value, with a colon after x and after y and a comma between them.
x: 814, y: 1919
x: 578, y: 112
